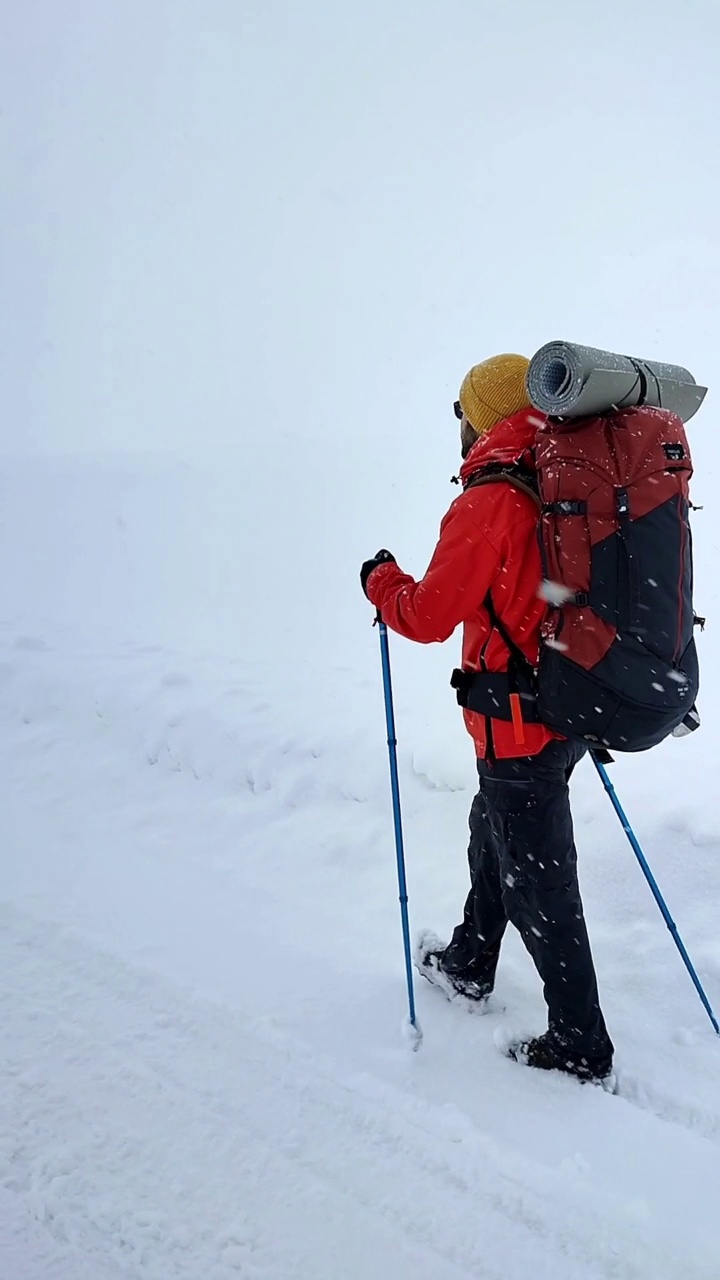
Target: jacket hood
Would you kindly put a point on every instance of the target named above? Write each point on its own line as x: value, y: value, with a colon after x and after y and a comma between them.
x: 510, y: 441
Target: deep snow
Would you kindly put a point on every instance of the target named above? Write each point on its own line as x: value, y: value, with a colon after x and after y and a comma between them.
x: 204, y: 1070
x: 248, y: 253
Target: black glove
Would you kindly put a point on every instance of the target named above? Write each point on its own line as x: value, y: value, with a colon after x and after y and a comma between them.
x: 380, y: 557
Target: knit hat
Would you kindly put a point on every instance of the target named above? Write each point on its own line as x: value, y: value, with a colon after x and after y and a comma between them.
x: 494, y: 390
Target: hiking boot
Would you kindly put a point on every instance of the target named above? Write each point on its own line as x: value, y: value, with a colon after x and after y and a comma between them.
x: 427, y: 957
x: 547, y: 1054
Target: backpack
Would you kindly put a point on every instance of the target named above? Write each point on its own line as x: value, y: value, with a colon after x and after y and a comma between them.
x: 618, y: 667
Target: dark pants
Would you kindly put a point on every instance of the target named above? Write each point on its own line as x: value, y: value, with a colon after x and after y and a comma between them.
x: 523, y: 868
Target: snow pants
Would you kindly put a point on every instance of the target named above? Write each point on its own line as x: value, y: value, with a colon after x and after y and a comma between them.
x: 523, y: 869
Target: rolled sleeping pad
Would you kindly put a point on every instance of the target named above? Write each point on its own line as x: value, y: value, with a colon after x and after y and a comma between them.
x: 566, y: 380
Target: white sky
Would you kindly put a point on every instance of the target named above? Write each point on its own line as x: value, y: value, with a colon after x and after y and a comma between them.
x: 225, y: 218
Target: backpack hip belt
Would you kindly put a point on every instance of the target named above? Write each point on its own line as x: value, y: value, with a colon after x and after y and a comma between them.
x: 501, y: 695
x: 489, y: 693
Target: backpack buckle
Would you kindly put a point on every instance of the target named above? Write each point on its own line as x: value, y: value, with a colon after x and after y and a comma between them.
x: 566, y: 507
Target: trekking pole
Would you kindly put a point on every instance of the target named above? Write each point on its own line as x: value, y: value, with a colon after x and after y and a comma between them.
x: 412, y: 1027
x: 654, y: 887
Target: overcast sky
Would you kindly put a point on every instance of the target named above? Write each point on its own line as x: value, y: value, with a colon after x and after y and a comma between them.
x: 220, y: 216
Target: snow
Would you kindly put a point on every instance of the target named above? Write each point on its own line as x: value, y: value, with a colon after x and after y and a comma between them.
x: 203, y: 988
x: 248, y: 254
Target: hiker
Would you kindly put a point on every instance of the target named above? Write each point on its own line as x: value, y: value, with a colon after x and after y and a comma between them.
x: 486, y: 574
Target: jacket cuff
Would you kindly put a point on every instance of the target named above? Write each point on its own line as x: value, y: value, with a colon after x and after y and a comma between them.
x: 379, y: 579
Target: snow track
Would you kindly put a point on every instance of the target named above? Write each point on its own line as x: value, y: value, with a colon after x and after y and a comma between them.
x: 29, y: 1252
x: 203, y: 1074
x: 174, y: 1138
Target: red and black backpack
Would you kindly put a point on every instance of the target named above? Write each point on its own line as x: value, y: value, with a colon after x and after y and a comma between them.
x: 618, y: 666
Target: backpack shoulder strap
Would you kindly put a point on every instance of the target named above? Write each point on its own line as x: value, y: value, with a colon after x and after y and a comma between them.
x: 517, y: 477
x: 524, y: 480
x: 513, y: 649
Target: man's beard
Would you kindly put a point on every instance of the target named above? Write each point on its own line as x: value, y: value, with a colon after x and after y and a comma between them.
x: 468, y: 437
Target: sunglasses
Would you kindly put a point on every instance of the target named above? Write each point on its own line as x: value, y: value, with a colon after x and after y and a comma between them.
x: 457, y: 407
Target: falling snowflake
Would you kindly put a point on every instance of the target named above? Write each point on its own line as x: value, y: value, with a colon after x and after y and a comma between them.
x: 555, y: 593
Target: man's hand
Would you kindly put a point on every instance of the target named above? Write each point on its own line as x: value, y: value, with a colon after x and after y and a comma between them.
x: 380, y: 557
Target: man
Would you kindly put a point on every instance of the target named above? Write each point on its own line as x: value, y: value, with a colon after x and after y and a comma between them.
x: 486, y: 573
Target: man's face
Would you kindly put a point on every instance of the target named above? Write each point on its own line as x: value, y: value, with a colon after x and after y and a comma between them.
x: 468, y: 434
x: 468, y: 437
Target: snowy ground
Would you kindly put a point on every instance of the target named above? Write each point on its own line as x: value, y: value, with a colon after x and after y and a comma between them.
x: 202, y: 996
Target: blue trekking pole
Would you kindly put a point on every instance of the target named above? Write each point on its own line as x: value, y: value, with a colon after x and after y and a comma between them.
x: 412, y: 1026
x: 654, y: 887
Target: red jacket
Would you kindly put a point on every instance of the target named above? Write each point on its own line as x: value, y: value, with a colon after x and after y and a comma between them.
x: 488, y: 541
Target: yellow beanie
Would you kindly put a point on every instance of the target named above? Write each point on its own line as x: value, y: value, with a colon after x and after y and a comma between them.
x: 494, y: 390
